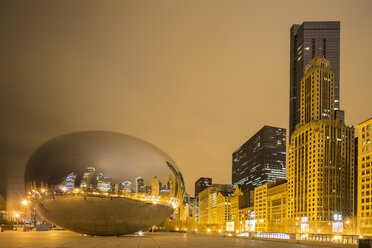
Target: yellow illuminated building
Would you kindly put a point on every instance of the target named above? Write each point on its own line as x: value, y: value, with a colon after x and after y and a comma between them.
x: 210, y: 202
x: 242, y: 212
x: 320, y: 158
x: 223, y: 208
x: 364, y: 177
x: 277, y: 206
x: 260, y: 208
x: 270, y: 207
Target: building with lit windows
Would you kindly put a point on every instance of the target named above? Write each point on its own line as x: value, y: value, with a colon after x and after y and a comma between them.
x: 364, y: 177
x: 309, y: 40
x: 85, y: 182
x: 140, y: 185
x: 270, y: 207
x: 70, y: 180
x: 103, y: 183
x: 320, y: 158
x: 277, y: 206
x: 155, y: 186
x: 186, y: 210
x: 200, y: 184
x: 223, y: 207
x: 261, y: 159
x: 260, y: 208
x: 242, y: 210
x: 208, y: 203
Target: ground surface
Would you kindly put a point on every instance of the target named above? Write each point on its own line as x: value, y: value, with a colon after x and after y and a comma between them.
x: 66, y: 239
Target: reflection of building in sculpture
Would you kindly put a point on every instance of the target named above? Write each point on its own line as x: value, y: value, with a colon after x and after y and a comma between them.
x: 179, y: 183
x: 270, y: 207
x: 140, y: 185
x: 70, y: 180
x: 87, y: 177
x: 155, y: 186
x: 126, y: 187
x: 320, y: 157
x: 208, y: 203
x: 364, y: 177
x: 171, y: 186
x: 103, y: 183
x: 147, y: 189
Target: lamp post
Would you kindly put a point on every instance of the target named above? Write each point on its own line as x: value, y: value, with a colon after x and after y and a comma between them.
x: 25, y: 204
x: 16, y: 215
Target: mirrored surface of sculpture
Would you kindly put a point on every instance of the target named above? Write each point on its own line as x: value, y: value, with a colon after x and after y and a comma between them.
x: 103, y: 183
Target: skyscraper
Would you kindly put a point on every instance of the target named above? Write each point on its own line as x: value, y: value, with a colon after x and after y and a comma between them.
x: 364, y: 179
x: 320, y: 158
x: 261, y: 159
x: 70, y: 180
x: 87, y: 177
x: 126, y: 187
x: 103, y: 183
x: 309, y: 40
x: 155, y: 186
x: 140, y: 184
x: 201, y: 184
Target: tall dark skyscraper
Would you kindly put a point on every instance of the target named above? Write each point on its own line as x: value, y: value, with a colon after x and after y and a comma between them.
x: 201, y: 184
x: 309, y: 40
x: 261, y: 159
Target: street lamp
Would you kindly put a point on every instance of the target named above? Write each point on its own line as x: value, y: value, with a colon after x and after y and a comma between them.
x: 24, y: 203
x: 16, y: 215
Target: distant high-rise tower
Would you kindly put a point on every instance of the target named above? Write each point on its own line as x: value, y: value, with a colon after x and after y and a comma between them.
x: 309, y: 40
x: 201, y: 184
x: 126, y: 187
x: 87, y: 177
x: 70, y: 180
x: 261, y: 159
x: 140, y: 184
x: 103, y: 183
x: 155, y: 186
x: 320, y: 158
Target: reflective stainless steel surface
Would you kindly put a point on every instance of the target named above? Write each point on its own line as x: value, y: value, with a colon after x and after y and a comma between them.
x: 103, y: 183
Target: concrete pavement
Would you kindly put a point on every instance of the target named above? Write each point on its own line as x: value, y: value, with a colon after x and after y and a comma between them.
x: 67, y: 239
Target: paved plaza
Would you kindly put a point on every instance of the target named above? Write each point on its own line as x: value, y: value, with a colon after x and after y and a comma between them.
x: 66, y: 239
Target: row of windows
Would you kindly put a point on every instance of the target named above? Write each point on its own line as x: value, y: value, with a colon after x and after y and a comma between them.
x: 364, y: 135
x: 366, y: 128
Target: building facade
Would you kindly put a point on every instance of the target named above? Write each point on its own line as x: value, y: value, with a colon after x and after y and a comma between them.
x: 309, y: 40
x: 364, y: 177
x: 201, y: 184
x: 208, y: 201
x: 261, y: 159
x: 270, y: 207
x: 320, y: 158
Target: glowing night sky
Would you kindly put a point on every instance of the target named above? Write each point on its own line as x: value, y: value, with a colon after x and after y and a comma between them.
x: 195, y: 78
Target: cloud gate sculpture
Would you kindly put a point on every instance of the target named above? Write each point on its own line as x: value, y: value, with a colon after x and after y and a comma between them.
x: 103, y: 183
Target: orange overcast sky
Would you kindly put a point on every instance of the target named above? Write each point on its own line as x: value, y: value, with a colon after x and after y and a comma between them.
x: 195, y: 78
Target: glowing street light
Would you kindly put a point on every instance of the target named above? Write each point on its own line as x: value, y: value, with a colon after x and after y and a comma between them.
x: 16, y: 215
x: 24, y: 203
